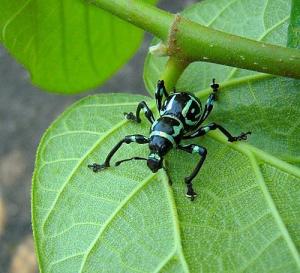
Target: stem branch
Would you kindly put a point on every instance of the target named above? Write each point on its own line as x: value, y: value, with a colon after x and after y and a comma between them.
x: 172, y: 72
x: 195, y: 42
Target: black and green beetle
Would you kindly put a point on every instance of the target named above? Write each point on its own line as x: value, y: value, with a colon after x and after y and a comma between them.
x: 181, y: 116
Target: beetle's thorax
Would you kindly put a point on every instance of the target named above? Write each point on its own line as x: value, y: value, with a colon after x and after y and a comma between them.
x: 180, y: 114
x: 185, y: 107
x: 165, y: 133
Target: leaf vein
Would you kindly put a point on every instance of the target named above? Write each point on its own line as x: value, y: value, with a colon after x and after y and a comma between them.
x: 64, y: 259
x: 165, y: 261
x: 273, y: 27
x: 274, y: 210
x: 90, y: 48
x: 260, y: 253
x: 118, y: 125
x: 70, y: 228
x: 13, y: 17
x: 113, y: 215
x: 229, y: 231
x: 175, y: 218
x: 221, y: 12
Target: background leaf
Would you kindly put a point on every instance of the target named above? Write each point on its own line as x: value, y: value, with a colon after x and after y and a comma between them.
x: 126, y: 219
x: 67, y: 46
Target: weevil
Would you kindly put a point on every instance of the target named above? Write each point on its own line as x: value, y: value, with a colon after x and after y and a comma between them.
x: 180, y: 117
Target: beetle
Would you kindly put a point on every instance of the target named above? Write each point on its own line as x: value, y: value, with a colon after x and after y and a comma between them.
x: 180, y: 117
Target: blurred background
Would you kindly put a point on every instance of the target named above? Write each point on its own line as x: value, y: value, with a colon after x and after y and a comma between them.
x: 25, y: 113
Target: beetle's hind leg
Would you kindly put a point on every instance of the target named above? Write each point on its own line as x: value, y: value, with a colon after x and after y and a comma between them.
x: 160, y: 92
x: 193, y: 149
x: 136, y: 118
x: 213, y: 126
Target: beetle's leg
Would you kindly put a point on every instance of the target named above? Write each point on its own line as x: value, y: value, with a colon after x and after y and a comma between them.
x: 129, y: 159
x: 159, y: 93
x: 140, y: 139
x: 213, y: 126
x: 167, y: 172
x: 192, y: 149
x: 141, y: 106
x: 210, y: 101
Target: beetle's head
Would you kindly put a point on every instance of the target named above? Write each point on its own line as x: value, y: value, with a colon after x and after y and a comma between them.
x: 158, y: 146
x: 154, y: 162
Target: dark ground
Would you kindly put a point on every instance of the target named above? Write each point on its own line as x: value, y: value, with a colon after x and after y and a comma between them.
x: 25, y: 113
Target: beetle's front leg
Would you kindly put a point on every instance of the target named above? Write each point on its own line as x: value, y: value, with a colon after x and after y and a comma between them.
x: 210, y: 101
x: 141, y: 106
x: 140, y: 139
x: 193, y: 149
x: 159, y: 93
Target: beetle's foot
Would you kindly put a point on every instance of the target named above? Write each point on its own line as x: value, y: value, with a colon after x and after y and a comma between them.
x: 160, y: 84
x: 132, y: 117
x: 97, y: 167
x: 214, y: 86
x: 191, y: 193
x: 242, y: 136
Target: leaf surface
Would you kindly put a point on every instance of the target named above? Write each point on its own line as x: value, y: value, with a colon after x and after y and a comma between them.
x: 67, y: 46
x: 75, y: 211
x: 127, y: 219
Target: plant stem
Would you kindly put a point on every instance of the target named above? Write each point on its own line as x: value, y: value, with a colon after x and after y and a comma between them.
x: 172, y: 72
x: 140, y: 14
x: 194, y: 42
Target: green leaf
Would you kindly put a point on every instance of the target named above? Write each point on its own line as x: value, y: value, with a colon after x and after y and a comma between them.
x: 67, y: 46
x: 127, y: 219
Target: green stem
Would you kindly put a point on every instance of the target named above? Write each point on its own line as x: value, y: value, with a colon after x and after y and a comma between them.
x: 172, y: 72
x: 139, y: 13
x: 194, y: 42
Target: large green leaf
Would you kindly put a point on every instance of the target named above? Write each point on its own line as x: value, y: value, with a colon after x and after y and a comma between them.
x: 127, y: 219
x: 246, y: 217
x: 67, y: 46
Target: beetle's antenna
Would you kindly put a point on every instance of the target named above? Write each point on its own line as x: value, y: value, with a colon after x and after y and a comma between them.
x: 128, y: 159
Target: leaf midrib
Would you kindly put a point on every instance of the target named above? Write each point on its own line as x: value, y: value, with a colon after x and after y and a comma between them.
x: 274, y: 210
x: 113, y: 215
x: 250, y: 151
x: 257, y: 152
x: 13, y: 17
x: 175, y: 218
